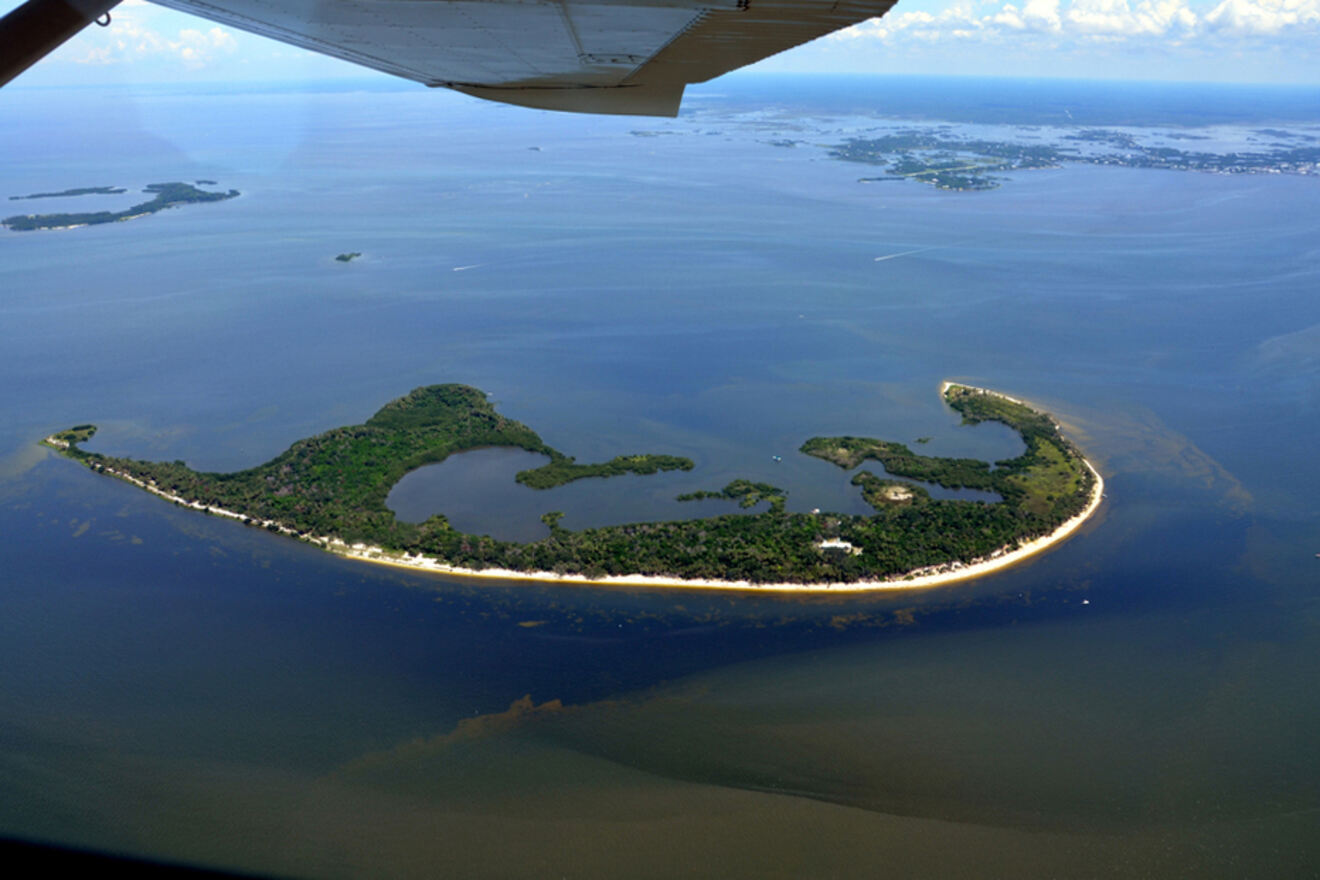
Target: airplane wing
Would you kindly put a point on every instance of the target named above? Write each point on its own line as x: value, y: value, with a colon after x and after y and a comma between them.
x: 591, y: 56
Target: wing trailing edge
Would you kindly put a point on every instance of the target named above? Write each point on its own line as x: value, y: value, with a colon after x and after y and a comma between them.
x: 627, y: 100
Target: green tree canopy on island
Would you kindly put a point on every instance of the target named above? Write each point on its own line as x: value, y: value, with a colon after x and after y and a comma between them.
x: 335, y: 485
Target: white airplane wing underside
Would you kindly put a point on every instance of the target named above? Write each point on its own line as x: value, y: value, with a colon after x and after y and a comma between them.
x: 597, y: 56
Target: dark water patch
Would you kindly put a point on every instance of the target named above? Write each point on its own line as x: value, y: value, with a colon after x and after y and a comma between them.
x: 987, y: 441
x: 889, y: 727
x: 478, y: 493
x: 936, y: 491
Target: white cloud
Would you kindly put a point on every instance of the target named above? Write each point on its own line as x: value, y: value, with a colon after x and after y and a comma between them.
x: 1037, y: 15
x: 1173, y: 21
x: 1118, y: 18
x: 956, y: 21
x: 126, y: 40
x: 1245, y: 17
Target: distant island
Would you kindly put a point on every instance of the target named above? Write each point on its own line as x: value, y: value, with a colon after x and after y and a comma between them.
x: 330, y: 490
x: 78, y: 191
x: 944, y: 160
x: 167, y: 195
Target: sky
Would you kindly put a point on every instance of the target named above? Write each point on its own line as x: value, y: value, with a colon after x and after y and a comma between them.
x: 1268, y: 41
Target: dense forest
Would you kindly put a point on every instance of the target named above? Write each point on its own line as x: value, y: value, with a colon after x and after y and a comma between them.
x: 335, y: 484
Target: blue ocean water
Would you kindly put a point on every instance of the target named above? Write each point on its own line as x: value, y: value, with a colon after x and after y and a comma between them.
x: 1138, y: 701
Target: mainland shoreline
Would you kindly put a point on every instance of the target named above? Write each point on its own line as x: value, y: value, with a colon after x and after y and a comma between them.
x: 921, y: 578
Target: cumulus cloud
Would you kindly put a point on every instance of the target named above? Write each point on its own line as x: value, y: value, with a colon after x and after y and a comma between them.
x: 126, y: 40
x: 1118, y: 18
x: 1244, y: 17
x: 1037, y: 15
x: 957, y: 20
x: 1093, y: 20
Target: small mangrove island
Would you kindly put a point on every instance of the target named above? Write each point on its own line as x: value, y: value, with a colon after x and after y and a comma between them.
x: 745, y: 492
x: 166, y: 195
x: 330, y: 490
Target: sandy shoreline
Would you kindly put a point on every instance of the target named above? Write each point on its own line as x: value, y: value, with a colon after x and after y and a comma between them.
x: 919, y: 579
x: 922, y: 578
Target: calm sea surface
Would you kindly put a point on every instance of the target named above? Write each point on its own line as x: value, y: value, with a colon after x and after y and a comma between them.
x: 1142, y: 701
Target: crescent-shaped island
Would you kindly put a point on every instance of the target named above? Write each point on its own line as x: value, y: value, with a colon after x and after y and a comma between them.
x: 330, y: 490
